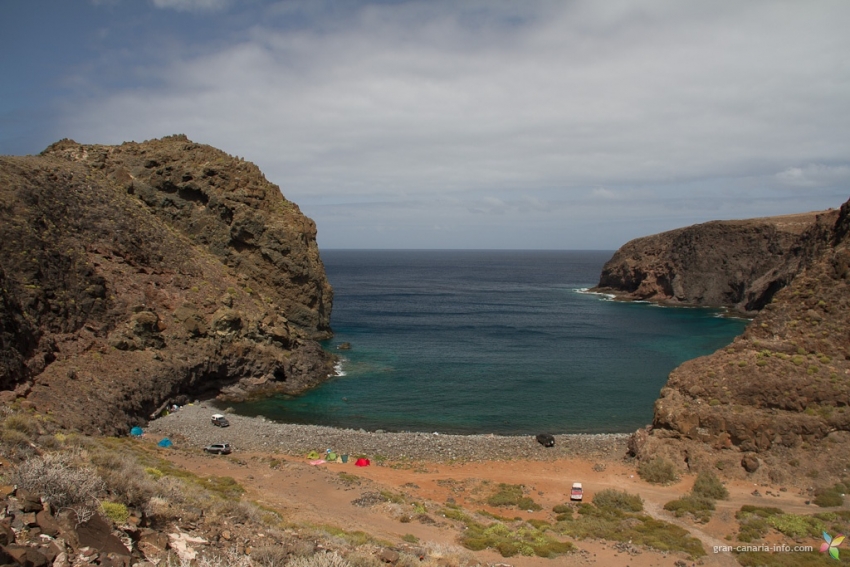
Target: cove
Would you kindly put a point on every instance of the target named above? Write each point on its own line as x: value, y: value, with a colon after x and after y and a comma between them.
x: 501, y: 342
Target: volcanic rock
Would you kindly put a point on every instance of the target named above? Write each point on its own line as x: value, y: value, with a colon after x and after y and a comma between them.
x: 739, y: 264
x: 132, y: 276
x: 781, y: 390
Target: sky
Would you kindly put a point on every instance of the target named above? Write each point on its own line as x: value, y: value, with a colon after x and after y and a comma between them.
x: 568, y: 124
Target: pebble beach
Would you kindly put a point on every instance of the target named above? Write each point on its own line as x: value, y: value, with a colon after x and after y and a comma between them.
x: 190, y: 427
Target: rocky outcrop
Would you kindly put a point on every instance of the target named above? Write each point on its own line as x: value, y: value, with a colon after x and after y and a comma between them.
x: 736, y: 264
x: 780, y: 393
x: 139, y: 274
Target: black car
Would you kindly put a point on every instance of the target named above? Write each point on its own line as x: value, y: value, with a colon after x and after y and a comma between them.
x: 220, y: 420
x: 218, y: 448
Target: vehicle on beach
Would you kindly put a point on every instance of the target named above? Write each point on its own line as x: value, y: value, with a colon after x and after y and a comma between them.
x: 576, y: 492
x: 218, y: 448
x: 220, y: 420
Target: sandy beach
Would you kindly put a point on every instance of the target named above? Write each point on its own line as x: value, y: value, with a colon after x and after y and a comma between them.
x: 437, y: 469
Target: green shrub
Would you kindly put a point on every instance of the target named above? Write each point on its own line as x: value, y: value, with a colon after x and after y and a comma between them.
x: 699, y: 507
x: 511, y: 495
x: 18, y: 442
x: 709, y: 486
x: 761, y: 511
x: 124, y: 478
x: 619, y: 500
x: 226, y: 487
x: 639, y: 529
x: 23, y: 423
x: 828, y: 497
x: 657, y: 471
x: 752, y: 528
x: 796, y: 526
x: 154, y: 473
x: 115, y: 511
x: 524, y: 539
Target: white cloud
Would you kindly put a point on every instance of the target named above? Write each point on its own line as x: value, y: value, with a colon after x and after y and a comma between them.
x: 815, y: 175
x: 603, y: 193
x: 192, y: 5
x: 541, y: 103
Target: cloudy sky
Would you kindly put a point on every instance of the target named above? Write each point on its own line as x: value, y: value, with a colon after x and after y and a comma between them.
x: 474, y: 124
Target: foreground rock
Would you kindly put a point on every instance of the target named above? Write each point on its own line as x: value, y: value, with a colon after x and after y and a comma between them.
x: 138, y: 275
x: 776, y: 402
x: 736, y: 264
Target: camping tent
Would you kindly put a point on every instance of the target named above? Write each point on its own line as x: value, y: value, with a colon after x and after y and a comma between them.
x: 166, y: 442
x: 361, y: 462
x: 136, y: 431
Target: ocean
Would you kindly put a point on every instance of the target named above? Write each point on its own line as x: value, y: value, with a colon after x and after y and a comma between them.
x: 503, y: 342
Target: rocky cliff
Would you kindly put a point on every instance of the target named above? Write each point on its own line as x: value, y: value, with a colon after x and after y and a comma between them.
x: 737, y: 264
x: 136, y: 275
x: 777, y: 400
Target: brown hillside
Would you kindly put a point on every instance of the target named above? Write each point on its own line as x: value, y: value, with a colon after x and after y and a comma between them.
x: 145, y: 273
x: 779, y: 396
x: 739, y: 264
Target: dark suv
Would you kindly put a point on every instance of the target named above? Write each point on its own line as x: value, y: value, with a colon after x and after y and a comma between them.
x: 218, y: 448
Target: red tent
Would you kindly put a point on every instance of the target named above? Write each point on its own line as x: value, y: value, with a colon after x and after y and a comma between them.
x: 362, y: 463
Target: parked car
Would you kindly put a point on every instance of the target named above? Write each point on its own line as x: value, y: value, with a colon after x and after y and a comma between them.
x: 576, y: 492
x: 218, y: 448
x: 220, y: 420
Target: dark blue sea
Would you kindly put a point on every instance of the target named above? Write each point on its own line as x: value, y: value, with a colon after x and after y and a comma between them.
x: 499, y: 342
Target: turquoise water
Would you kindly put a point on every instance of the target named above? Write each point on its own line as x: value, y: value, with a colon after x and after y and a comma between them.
x: 493, y: 342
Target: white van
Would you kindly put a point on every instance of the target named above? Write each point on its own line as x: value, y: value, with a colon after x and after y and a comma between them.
x: 576, y: 492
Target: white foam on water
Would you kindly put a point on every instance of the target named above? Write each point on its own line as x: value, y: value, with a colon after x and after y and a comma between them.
x: 602, y: 296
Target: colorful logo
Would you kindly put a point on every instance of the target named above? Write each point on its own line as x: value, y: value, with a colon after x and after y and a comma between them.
x: 830, y: 544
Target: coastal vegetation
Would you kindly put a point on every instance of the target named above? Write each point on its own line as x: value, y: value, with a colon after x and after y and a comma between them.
x: 512, y: 495
x: 700, y: 502
x: 617, y: 516
x: 658, y: 471
x: 832, y: 495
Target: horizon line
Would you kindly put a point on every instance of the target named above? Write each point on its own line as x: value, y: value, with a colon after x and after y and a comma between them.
x: 321, y: 248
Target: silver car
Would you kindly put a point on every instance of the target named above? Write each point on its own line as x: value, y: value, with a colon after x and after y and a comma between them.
x: 218, y: 448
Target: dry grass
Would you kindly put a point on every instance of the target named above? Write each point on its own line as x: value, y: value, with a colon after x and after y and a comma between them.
x: 60, y: 479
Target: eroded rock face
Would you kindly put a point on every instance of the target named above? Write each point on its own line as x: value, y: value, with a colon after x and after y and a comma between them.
x: 737, y: 264
x: 135, y: 274
x: 781, y: 390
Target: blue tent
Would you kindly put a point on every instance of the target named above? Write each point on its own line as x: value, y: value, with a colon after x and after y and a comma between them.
x: 136, y: 431
x: 166, y: 442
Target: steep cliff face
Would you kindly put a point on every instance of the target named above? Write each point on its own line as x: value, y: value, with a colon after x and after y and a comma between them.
x: 138, y: 274
x: 737, y: 264
x: 781, y: 391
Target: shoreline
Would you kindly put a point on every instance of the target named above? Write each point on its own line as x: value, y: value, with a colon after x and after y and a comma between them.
x: 613, y: 294
x: 191, y: 426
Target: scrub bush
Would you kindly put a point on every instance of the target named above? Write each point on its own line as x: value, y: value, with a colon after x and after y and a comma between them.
x: 658, y: 471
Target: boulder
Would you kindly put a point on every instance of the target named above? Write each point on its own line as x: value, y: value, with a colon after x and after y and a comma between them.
x: 26, y: 556
x: 96, y: 533
x: 750, y: 463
